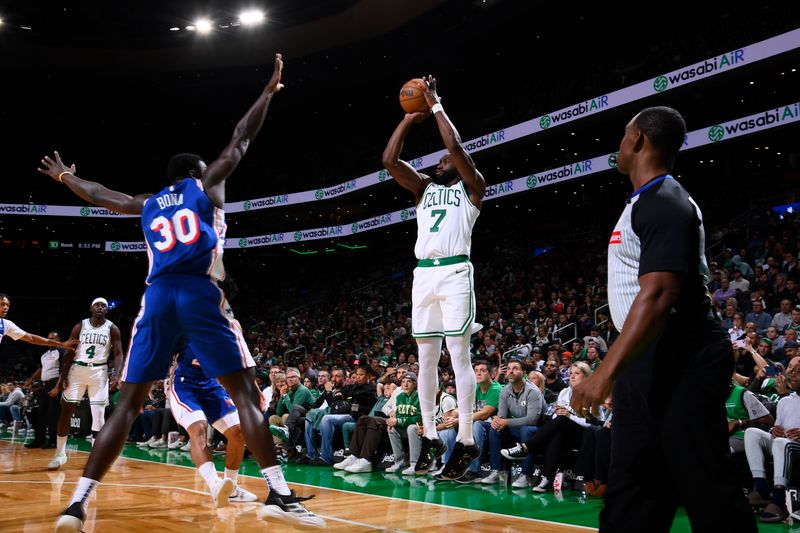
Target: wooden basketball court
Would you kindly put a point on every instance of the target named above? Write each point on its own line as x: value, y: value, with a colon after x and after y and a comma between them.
x: 145, y: 496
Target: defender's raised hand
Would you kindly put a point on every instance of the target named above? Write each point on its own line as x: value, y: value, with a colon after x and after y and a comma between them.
x: 275, y: 84
x: 54, y: 167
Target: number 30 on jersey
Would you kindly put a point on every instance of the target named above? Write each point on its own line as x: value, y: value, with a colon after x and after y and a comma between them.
x: 184, y: 228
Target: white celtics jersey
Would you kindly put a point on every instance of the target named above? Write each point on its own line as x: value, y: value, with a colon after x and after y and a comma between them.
x: 445, y: 217
x: 95, y: 342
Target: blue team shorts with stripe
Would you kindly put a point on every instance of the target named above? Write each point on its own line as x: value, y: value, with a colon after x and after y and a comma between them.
x: 176, y: 305
x: 189, y: 398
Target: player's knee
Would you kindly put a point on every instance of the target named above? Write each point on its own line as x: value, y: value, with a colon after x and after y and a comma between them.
x: 197, y: 434
x: 234, y: 435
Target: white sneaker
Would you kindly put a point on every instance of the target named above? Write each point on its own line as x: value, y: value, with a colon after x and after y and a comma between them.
x: 57, y: 460
x: 545, y: 485
x: 159, y: 443
x: 522, y: 482
x: 146, y: 443
x: 241, y: 495
x: 360, y: 465
x: 410, y: 470
x: 222, y: 491
x: 175, y: 445
x: 394, y: 468
x: 492, y: 478
x: 187, y: 447
x: 347, y: 462
x: 289, y: 510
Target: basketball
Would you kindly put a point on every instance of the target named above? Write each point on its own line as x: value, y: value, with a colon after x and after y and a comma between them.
x: 412, y: 96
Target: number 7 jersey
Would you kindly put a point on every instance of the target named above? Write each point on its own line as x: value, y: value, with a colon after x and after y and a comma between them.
x: 445, y: 217
x: 184, y: 231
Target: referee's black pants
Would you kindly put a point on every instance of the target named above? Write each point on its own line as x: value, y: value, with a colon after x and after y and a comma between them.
x: 47, y: 414
x: 670, y: 438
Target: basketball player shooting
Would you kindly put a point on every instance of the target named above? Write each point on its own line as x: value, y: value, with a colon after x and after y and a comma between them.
x: 443, y: 295
x: 184, y: 227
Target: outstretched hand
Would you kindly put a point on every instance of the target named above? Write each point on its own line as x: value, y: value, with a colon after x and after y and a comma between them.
x: 54, y: 167
x: 431, y: 96
x: 275, y: 84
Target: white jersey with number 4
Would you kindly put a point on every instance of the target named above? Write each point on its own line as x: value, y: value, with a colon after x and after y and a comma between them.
x: 95, y: 342
x: 445, y: 217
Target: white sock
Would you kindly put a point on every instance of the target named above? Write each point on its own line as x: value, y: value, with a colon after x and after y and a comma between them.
x: 61, y: 444
x: 429, y: 352
x: 465, y: 385
x: 231, y: 474
x: 275, y: 480
x: 209, y: 473
x: 83, y: 491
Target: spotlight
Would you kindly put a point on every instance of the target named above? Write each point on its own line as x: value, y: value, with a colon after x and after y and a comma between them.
x: 174, y: 28
x: 203, y: 26
x: 251, y: 17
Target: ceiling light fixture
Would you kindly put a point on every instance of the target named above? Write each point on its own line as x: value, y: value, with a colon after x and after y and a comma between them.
x: 251, y: 17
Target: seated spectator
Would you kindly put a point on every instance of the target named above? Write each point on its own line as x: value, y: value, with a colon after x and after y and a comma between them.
x: 11, y: 407
x: 744, y: 410
x: 759, y: 317
x: 558, y: 436
x: 728, y: 316
x: 594, y: 457
x: 369, y: 432
x: 552, y: 379
x: 310, y: 382
x: 722, y: 294
x: 405, y: 421
x: 537, y: 379
x: 737, y: 331
x: 517, y: 419
x: 784, y: 317
x: 487, y: 402
x: 779, y: 443
x: 446, y: 419
x: 348, y: 405
x: 739, y: 283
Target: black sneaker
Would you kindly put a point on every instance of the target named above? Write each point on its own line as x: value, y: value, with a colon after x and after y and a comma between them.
x: 517, y: 453
x: 431, y: 450
x: 71, y: 519
x: 289, y: 510
x: 469, y: 478
x: 459, y: 461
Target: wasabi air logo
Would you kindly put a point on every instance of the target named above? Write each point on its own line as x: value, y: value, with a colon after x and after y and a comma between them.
x: 247, y: 205
x: 584, y: 108
x: 345, y: 187
x: 298, y: 235
x: 612, y: 160
x: 23, y: 208
x: 779, y: 114
x: 115, y: 246
x: 531, y: 181
x: 331, y: 231
x: 487, y: 140
x: 354, y: 227
x: 372, y: 223
x: 404, y: 215
x: 85, y: 211
x: 716, y: 133
x: 417, y: 163
x: 564, y: 173
x: 246, y: 242
x: 382, y: 175
x: 706, y: 68
x: 265, y: 202
x: 660, y: 83
x: 500, y: 189
x: 320, y: 194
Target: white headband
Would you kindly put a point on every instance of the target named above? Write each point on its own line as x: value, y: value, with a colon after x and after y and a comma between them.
x: 103, y: 300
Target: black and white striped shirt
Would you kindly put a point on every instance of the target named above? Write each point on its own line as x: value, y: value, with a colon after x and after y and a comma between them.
x: 660, y: 230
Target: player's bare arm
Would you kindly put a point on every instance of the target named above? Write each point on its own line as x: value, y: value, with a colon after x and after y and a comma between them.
x: 463, y: 162
x: 646, y: 319
x: 69, y: 356
x: 91, y: 191
x: 403, y: 173
x: 41, y: 341
x: 247, y: 128
x: 117, y: 354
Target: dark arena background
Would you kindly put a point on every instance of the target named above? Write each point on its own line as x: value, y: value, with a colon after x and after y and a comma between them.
x: 320, y: 240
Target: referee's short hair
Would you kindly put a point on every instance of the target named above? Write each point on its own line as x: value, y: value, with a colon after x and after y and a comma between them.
x: 665, y: 128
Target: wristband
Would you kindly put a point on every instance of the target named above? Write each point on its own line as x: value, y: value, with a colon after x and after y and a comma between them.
x: 61, y: 176
x: 437, y: 107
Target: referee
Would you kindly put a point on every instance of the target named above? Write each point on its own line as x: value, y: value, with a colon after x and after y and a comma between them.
x: 672, y: 364
x: 49, y: 397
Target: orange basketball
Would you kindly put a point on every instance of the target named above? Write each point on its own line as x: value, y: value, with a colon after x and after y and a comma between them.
x: 412, y: 96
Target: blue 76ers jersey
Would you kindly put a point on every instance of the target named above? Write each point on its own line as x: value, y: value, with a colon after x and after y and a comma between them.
x: 184, y: 231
